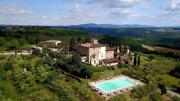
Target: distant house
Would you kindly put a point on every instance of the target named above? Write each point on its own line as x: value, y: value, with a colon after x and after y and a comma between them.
x: 96, y: 54
x: 50, y: 43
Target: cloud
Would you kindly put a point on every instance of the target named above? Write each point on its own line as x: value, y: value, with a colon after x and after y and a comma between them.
x: 45, y: 17
x: 173, y: 5
x: 119, y: 12
x: 82, y: 12
x: 117, y: 3
x: 79, y: 14
x: 169, y: 14
x: 13, y: 10
x: 14, y: 14
x: 172, y: 10
x: 111, y: 3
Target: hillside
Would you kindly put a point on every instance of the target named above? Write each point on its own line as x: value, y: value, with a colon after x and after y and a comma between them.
x: 168, y: 37
x: 93, y: 25
x: 22, y: 36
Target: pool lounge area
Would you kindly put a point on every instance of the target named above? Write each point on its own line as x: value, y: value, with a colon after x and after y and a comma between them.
x: 114, y: 86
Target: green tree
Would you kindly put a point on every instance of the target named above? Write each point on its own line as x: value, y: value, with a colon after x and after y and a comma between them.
x: 135, y: 60
x: 175, y: 98
x: 36, y: 52
x: 163, y: 88
x: 8, y: 65
x: 151, y: 57
x: 80, y: 39
x: 76, y: 60
x: 140, y: 92
x: 86, y: 73
x: 73, y: 44
x: 139, y: 61
x: 2, y: 41
x: 14, y: 44
x: 155, y: 97
x: 119, y: 98
x: 52, y: 76
x: 2, y: 73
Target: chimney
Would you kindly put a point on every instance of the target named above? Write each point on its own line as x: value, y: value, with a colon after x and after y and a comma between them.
x: 94, y: 41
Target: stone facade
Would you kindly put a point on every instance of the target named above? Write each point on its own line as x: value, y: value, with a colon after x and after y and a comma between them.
x: 94, y: 52
x: 109, y: 53
x: 50, y: 43
x: 94, y: 56
x: 97, y: 54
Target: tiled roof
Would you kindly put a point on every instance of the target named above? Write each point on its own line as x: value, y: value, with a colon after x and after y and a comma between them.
x: 112, y: 60
x: 124, y: 58
x: 91, y: 45
x: 52, y: 41
x: 109, y: 49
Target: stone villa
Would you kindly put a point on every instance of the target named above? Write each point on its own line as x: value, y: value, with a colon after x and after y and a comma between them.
x: 96, y: 54
x: 50, y: 43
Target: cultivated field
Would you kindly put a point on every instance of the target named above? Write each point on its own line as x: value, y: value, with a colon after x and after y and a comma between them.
x: 162, y: 49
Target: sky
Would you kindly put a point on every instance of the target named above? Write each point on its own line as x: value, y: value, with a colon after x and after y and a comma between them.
x: 73, y: 12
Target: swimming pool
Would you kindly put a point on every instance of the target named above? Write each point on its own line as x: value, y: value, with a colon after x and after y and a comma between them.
x: 115, y: 84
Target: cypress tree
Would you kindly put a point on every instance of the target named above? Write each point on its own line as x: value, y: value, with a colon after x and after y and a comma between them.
x: 135, y: 60
x: 139, y: 61
x: 76, y: 60
x: 73, y: 44
x: 164, y: 90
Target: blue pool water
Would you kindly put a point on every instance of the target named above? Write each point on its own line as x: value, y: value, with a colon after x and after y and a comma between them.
x: 115, y: 84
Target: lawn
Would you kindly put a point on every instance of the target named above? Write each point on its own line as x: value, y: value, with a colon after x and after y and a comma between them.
x: 168, y: 80
x: 105, y: 74
x: 160, y: 67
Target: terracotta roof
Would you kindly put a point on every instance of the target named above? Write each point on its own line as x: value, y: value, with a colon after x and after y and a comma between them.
x: 124, y: 58
x: 109, y: 49
x: 112, y: 60
x: 52, y: 41
x: 94, y: 39
x: 91, y: 45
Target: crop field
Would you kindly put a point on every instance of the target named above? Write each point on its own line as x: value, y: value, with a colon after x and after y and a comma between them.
x: 162, y: 49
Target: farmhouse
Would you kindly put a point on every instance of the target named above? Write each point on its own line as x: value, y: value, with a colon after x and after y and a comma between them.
x: 95, y: 54
x: 50, y: 43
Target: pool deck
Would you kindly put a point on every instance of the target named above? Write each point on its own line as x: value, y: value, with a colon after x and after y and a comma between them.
x: 107, y: 95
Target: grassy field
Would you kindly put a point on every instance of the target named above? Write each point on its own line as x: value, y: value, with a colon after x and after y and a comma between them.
x: 162, y: 49
x: 168, y: 80
x: 160, y: 68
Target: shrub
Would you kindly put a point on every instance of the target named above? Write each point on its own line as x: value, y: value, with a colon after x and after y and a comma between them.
x: 119, y: 98
x: 8, y: 65
x: 175, y: 98
x: 155, y: 97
